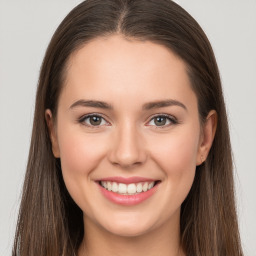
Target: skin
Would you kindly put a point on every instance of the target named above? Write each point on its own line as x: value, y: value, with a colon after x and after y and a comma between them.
x: 128, y: 142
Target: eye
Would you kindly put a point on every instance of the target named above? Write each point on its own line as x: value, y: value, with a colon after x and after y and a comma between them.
x: 162, y: 120
x: 93, y: 120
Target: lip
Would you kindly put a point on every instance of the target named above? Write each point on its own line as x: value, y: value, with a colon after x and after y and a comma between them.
x: 126, y: 180
x: 128, y: 200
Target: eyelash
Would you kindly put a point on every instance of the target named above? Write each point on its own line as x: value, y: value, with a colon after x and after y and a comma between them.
x: 172, y: 120
x: 83, y: 118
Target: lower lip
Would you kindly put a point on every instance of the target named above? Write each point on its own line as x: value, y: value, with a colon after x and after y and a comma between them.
x: 128, y: 199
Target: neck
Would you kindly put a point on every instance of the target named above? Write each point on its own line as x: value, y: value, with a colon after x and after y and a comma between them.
x: 161, y: 241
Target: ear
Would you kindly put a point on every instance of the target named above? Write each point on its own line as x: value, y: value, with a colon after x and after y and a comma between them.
x: 52, y: 133
x: 207, y: 136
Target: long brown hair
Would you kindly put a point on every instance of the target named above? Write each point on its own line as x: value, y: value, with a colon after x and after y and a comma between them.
x: 50, y: 223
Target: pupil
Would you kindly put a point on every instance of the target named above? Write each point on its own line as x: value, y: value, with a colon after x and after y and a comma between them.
x: 95, y: 120
x: 160, y: 120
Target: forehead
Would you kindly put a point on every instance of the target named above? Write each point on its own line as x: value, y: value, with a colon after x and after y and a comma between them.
x: 115, y: 68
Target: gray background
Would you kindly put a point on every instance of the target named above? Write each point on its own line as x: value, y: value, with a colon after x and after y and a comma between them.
x: 26, y: 27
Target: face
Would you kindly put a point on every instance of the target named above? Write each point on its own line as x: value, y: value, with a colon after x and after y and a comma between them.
x: 128, y: 120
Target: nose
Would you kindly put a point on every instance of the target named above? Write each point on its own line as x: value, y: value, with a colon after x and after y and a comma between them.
x: 127, y: 147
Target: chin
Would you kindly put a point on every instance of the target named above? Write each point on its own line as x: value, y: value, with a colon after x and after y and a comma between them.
x: 129, y: 227
x: 128, y: 231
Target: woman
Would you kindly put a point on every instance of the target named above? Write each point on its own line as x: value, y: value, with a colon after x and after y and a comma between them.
x: 130, y: 151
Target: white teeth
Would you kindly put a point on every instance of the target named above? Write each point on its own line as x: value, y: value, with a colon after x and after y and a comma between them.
x: 150, y: 185
x: 109, y: 185
x: 104, y: 184
x: 145, y: 187
x: 114, y: 187
x: 129, y: 189
x: 139, y: 188
x: 122, y: 188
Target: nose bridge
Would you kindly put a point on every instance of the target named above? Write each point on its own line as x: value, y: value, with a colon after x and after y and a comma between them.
x: 127, y: 147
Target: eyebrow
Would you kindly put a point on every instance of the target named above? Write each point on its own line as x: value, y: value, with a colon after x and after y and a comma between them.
x: 146, y: 106
x: 91, y: 103
x: 162, y: 103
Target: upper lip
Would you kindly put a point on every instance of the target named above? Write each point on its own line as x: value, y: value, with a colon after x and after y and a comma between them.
x: 127, y: 180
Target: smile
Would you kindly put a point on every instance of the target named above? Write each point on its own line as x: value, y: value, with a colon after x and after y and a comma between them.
x: 127, y: 189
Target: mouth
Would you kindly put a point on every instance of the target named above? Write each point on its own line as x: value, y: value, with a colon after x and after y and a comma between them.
x: 130, y: 188
x: 128, y: 191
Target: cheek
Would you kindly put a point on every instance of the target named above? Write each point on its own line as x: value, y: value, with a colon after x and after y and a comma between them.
x: 176, y: 154
x: 176, y: 157
x: 80, y: 154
